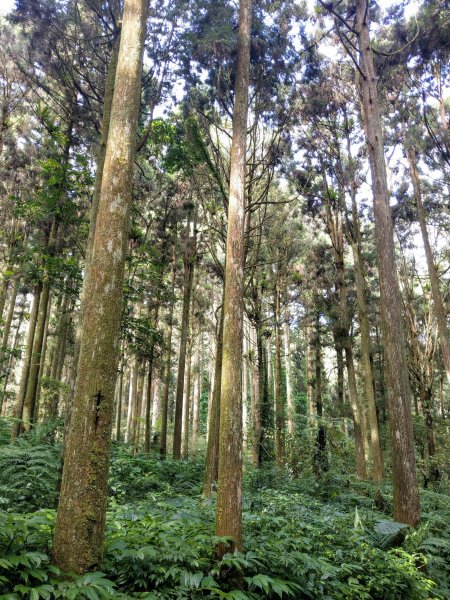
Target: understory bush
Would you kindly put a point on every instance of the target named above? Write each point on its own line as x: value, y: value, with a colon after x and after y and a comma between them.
x: 304, y: 539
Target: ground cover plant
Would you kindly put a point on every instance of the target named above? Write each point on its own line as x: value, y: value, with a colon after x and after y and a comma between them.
x: 304, y: 539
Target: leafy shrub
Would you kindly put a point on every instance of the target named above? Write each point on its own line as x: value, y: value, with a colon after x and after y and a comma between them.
x: 25, y: 569
x: 28, y: 475
x: 303, y: 540
x: 134, y: 478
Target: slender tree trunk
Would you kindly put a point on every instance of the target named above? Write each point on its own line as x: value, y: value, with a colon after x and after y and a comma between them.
x: 229, y: 495
x: 184, y: 334
x: 310, y: 377
x: 156, y: 413
x: 255, y: 396
x: 59, y: 356
x: 33, y: 375
x: 320, y: 458
x: 289, y: 399
x: 148, y: 402
x: 137, y: 409
x: 439, y: 309
x: 132, y: 391
x: 354, y: 234
x: 119, y: 402
x: 130, y: 395
x: 37, y: 406
x: 405, y: 490
x: 279, y: 400
x: 187, y: 404
x: 8, y: 321
x: 212, y: 451
x: 375, y: 446
x: 356, y: 411
x: 340, y: 375
x: 11, y: 360
x: 196, y: 397
x: 266, y: 414
x: 244, y: 389
x: 166, y: 388
x: 80, y: 521
x: 18, y: 411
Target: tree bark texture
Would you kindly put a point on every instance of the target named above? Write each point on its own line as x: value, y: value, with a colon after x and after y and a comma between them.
x: 229, y: 495
x: 166, y: 384
x: 405, y: 490
x: 439, y: 309
x: 80, y: 521
x: 184, y: 334
x: 212, y: 451
x: 18, y: 409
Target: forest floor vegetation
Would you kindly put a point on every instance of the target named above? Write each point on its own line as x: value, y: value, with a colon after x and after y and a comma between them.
x: 304, y: 538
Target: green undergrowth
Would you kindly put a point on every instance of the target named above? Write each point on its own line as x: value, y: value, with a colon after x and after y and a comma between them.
x: 303, y: 539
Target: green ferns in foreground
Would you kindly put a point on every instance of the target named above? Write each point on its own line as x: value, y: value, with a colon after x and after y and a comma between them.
x: 160, y: 542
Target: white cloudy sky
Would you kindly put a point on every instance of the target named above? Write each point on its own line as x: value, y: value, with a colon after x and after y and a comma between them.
x: 5, y: 6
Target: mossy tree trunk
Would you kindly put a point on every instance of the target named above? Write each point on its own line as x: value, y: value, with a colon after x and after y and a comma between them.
x: 438, y: 304
x: 167, y: 360
x: 229, y: 494
x: 280, y: 425
x: 80, y: 521
x: 405, y: 490
x: 18, y: 409
x: 212, y: 451
x: 188, y: 258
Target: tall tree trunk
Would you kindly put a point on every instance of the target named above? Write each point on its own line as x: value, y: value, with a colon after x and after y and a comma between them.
x: 129, y: 407
x: 244, y: 388
x: 18, y: 410
x: 279, y: 400
x: 356, y: 411
x: 119, y: 401
x: 354, y: 235
x: 266, y: 414
x: 184, y: 334
x: 340, y: 375
x: 80, y: 521
x: 33, y: 375
x: 37, y: 406
x: 168, y: 354
x: 148, y: 401
x: 5, y: 355
x: 108, y: 95
x: 187, y: 404
x: 310, y: 376
x: 11, y: 360
x: 255, y: 397
x: 137, y: 409
x: 212, y: 451
x: 156, y: 412
x: 8, y: 321
x: 196, y: 397
x: 132, y: 391
x: 229, y: 495
x: 320, y: 457
x: 439, y: 309
x: 342, y: 327
x: 59, y: 356
x: 366, y: 353
x: 287, y: 358
x: 405, y: 490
